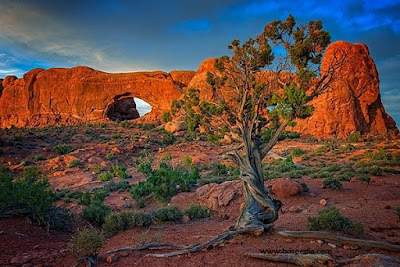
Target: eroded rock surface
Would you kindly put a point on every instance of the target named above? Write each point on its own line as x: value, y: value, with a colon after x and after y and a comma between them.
x: 81, y: 94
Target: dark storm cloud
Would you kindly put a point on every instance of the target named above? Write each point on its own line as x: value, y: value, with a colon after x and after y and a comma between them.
x: 146, y: 35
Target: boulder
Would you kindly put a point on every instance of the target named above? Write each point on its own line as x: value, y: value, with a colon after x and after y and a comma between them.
x: 284, y: 187
x: 216, y: 196
x: 175, y: 126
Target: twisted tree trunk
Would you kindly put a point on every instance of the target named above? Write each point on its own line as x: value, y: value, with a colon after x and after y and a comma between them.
x: 259, y: 210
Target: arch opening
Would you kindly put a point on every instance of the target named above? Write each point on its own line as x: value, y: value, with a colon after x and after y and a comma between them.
x: 123, y: 109
x: 142, y: 106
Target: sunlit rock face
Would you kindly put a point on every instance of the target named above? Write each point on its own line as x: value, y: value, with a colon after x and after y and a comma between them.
x: 353, y: 101
x: 81, y: 94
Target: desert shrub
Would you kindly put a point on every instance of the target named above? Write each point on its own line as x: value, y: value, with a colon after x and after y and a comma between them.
x: 99, y: 194
x: 354, y: 137
x: 145, y: 167
x: 63, y: 149
x: 119, y: 170
x: 372, y: 170
x: 30, y: 194
x: 187, y: 161
x: 121, y: 186
x: 210, y: 180
x: 110, y: 155
x: 166, y: 116
x: 165, y: 182
x: 74, y: 194
x: 195, y: 212
x: 289, y: 135
x: 121, y: 221
x: 105, y: 176
x: 332, y: 183
x: 297, y: 152
x: 379, y: 155
x: 96, y: 212
x: 364, y: 177
x: 18, y: 138
x: 170, y: 213
x: 305, y: 187
x: 124, y: 124
x: 331, y: 219
x: 26, y: 163
x: 74, y: 163
x: 219, y: 169
x: 391, y: 170
x: 97, y: 168
x: 85, y: 199
x: 38, y: 157
x: 168, y: 138
x: 86, y: 244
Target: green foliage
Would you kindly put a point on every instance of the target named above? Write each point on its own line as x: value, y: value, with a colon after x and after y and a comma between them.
x: 195, y: 212
x: 332, y: 183
x: 297, y: 152
x: 63, y: 149
x: 18, y: 138
x: 166, y: 117
x: 379, y: 155
x: 122, y: 221
x: 30, y: 194
x: 187, y: 161
x: 364, y: 177
x: 38, y: 157
x: 97, y: 168
x: 168, y: 139
x: 169, y: 213
x: 120, y: 186
x: 165, y: 182
x: 105, y: 176
x: 331, y: 219
x: 86, y: 244
x: 74, y: 163
x: 124, y: 124
x: 119, y: 170
x: 96, y: 212
x: 353, y: 137
x: 85, y: 199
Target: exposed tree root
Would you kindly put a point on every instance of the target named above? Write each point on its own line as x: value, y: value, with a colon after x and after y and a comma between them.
x: 151, y: 245
x: 193, y: 248
x: 306, y: 260
x: 320, y: 260
x: 342, y: 239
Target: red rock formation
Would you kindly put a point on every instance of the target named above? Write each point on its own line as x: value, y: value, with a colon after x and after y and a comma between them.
x: 80, y: 94
x: 353, y: 103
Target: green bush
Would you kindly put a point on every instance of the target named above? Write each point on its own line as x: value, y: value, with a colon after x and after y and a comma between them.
x: 124, y: 124
x: 121, y: 221
x: 165, y: 182
x: 332, y: 183
x: 297, y: 152
x: 119, y: 170
x: 30, y: 194
x: 85, y: 199
x: 166, y: 117
x: 170, y: 213
x: 121, y: 186
x: 96, y: 212
x: 63, y: 149
x: 364, y: 177
x: 168, y: 138
x: 105, y: 176
x: 195, y: 212
x: 331, y: 219
x: 354, y: 137
x: 74, y: 163
x: 86, y: 244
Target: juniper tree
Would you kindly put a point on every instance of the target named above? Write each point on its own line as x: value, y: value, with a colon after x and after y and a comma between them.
x: 265, y: 84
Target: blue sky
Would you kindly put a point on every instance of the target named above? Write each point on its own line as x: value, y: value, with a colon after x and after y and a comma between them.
x: 122, y: 36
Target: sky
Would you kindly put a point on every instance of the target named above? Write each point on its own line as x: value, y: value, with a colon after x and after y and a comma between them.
x: 125, y: 36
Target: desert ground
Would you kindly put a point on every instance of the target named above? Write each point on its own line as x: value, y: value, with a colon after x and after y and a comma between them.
x: 79, y: 162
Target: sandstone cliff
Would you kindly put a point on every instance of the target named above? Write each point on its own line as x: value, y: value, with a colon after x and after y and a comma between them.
x: 81, y: 94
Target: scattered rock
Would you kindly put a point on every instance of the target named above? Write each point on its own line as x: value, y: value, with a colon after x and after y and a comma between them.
x: 323, y: 202
x: 111, y: 258
x: 312, y: 195
x: 320, y: 241
x: 332, y: 245
x: 284, y: 187
x: 175, y: 126
x: 124, y: 254
x: 218, y: 195
x: 294, y: 209
x: 350, y: 247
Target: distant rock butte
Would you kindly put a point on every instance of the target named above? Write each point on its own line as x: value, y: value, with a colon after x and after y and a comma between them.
x: 81, y: 94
